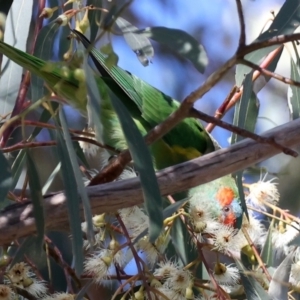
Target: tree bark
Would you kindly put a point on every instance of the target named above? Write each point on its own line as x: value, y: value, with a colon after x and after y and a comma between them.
x: 18, y: 221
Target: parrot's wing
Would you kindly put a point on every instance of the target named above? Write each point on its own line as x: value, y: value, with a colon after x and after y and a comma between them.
x: 61, y: 81
x: 188, y: 139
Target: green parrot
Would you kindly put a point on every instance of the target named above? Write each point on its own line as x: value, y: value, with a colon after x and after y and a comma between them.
x: 148, y: 107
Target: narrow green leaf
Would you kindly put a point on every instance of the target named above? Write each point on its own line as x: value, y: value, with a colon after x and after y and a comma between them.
x: 72, y: 202
x: 239, y: 183
x: 171, y: 209
x: 51, y: 179
x: 246, y: 110
x: 264, y: 79
x: 114, y: 12
x: 5, y: 180
x: 179, y: 238
x: 43, y: 50
x: 80, y: 295
x: 93, y: 104
x: 37, y: 199
x: 17, y: 31
x: 143, y: 165
x: 78, y: 176
x: 279, y: 287
x: 253, y: 289
x: 285, y: 22
x: 267, y: 251
x: 139, y: 44
x: 181, y: 42
x: 17, y: 167
x: 245, y: 116
x: 294, y: 92
x: 94, y: 18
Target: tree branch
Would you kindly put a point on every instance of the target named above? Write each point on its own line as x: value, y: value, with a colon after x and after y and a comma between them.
x: 18, y: 220
x: 242, y: 40
x: 269, y: 73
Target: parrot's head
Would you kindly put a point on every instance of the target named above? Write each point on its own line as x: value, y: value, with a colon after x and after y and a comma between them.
x: 230, y: 205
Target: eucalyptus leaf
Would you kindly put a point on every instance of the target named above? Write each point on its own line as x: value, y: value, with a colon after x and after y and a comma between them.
x: 139, y: 44
x: 279, y: 287
x: 294, y: 92
x: 143, y: 165
x: 239, y: 183
x: 267, y: 251
x: 43, y: 50
x: 94, y: 18
x: 179, y: 238
x: 112, y: 15
x: 72, y: 202
x: 79, y: 181
x: 37, y: 200
x: 50, y: 179
x: 16, y: 33
x: 246, y: 110
x: 253, y: 289
x: 181, y: 42
x: 172, y: 208
x: 281, y: 25
x: 262, y: 80
x: 5, y: 180
x: 17, y: 167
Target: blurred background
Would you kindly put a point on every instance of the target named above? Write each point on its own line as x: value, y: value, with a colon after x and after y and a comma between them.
x: 215, y: 25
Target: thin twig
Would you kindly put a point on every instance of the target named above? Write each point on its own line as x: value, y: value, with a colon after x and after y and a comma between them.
x: 21, y: 102
x: 117, y: 165
x: 242, y: 40
x: 115, y: 168
x: 232, y: 99
x: 269, y: 73
x: 18, y: 220
x: 24, y: 145
x: 257, y: 256
x: 242, y: 132
x: 276, y: 40
x: 57, y: 256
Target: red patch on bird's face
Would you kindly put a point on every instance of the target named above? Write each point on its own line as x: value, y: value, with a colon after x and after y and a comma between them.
x: 227, y: 217
x: 225, y: 196
x: 230, y: 220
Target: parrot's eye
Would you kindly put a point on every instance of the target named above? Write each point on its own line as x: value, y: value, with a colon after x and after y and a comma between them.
x: 226, y: 209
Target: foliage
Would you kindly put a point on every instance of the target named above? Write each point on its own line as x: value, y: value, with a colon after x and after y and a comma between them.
x: 184, y: 246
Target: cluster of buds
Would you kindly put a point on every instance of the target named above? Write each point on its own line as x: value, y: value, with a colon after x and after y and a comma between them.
x: 20, y: 276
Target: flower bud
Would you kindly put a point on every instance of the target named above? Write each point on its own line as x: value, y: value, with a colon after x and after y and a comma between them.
x: 79, y: 74
x: 84, y: 24
x: 99, y: 220
x: 62, y: 20
x: 139, y: 295
x: 47, y: 12
x: 68, y: 2
x: 107, y: 260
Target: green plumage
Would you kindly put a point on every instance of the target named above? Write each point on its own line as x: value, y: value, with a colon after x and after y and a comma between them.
x: 147, y: 105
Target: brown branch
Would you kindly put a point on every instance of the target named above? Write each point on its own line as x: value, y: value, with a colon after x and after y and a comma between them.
x: 232, y: 99
x: 24, y: 145
x: 116, y: 166
x: 55, y: 253
x: 242, y: 132
x: 17, y: 220
x: 242, y: 40
x: 269, y: 73
x: 276, y: 40
x: 21, y: 102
